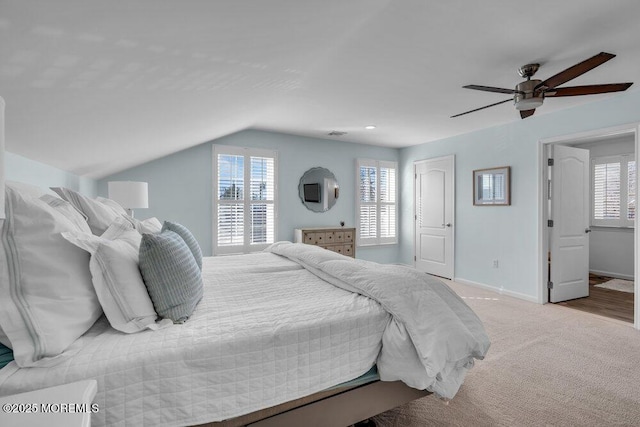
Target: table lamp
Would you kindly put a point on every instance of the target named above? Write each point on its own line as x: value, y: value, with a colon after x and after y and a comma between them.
x: 130, y: 194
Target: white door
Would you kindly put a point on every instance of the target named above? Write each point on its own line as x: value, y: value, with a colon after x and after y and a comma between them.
x: 434, y: 213
x: 569, y: 235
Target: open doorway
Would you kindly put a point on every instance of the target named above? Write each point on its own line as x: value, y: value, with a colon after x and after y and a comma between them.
x: 612, y: 194
x: 609, y: 274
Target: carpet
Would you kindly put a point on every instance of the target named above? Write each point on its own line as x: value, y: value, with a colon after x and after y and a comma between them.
x: 548, y: 365
x: 617, y: 285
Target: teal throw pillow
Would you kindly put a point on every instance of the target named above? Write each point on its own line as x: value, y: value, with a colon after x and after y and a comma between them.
x: 188, y: 238
x: 171, y: 275
x: 6, y: 355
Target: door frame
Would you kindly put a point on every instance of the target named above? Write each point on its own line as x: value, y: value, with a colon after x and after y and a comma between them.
x: 543, y: 176
x: 453, y: 207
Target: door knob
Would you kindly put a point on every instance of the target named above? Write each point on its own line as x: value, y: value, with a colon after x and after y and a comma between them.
x: 447, y: 224
x: 587, y: 230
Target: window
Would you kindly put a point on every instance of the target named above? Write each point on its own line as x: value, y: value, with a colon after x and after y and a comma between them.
x: 376, y: 209
x: 614, y: 191
x: 244, y: 202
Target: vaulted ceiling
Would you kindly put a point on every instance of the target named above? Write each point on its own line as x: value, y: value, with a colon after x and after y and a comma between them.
x: 94, y: 87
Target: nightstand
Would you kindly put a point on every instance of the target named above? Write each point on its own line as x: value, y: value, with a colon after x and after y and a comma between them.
x: 68, y: 405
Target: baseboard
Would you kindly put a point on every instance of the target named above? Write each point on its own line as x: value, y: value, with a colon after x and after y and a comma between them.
x: 498, y: 290
x: 611, y: 274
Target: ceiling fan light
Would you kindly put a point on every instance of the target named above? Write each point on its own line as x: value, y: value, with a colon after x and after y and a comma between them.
x: 529, y: 103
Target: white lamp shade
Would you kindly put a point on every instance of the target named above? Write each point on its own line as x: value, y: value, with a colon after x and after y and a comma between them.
x: 130, y: 194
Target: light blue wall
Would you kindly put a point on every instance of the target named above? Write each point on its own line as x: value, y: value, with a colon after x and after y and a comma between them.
x: 508, y: 234
x: 29, y: 171
x: 180, y: 184
x: 179, y: 190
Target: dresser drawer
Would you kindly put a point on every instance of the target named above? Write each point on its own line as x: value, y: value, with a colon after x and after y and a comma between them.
x: 340, y: 240
x: 321, y: 238
x: 341, y: 249
x: 347, y: 250
x: 315, y: 238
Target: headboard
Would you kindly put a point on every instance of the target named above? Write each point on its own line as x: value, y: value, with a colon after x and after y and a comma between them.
x: 2, y: 167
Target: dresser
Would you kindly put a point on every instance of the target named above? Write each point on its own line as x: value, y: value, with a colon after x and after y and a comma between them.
x: 340, y: 239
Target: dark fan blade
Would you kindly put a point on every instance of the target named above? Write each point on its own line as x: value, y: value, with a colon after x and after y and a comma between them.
x: 482, y: 108
x: 527, y: 113
x: 575, y: 71
x: 490, y: 89
x: 588, y: 90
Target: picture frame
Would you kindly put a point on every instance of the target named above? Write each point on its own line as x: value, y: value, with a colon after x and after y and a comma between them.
x: 492, y: 186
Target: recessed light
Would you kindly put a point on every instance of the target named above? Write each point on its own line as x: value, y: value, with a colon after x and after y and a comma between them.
x: 369, y: 127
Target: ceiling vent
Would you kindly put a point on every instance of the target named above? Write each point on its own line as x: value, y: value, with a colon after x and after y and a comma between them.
x: 336, y: 133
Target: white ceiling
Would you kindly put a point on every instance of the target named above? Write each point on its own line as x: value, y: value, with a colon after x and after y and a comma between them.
x: 94, y: 87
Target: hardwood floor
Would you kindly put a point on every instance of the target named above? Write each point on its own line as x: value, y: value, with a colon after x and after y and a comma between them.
x: 605, y: 302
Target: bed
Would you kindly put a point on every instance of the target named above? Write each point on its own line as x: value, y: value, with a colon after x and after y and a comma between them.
x: 279, y: 336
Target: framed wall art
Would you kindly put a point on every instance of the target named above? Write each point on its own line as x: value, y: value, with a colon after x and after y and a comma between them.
x: 492, y: 187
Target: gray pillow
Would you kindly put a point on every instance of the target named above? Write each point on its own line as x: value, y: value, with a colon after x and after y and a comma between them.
x: 188, y: 238
x: 171, y: 275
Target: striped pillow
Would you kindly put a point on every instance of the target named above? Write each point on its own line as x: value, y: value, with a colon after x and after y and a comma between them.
x: 47, y: 299
x: 171, y: 275
x: 99, y: 216
x: 116, y: 276
x: 188, y: 238
x: 68, y: 210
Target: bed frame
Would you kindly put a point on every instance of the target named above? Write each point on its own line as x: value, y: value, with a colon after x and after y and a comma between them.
x: 341, y: 406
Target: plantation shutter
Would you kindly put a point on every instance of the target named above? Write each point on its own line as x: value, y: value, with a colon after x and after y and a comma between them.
x: 230, y: 224
x: 387, y: 202
x: 245, y: 199
x: 607, y: 191
x: 376, y: 202
x: 262, y: 200
x: 614, y: 188
x: 367, y: 197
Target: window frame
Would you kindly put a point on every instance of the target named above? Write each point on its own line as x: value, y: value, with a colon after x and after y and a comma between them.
x: 247, y: 153
x: 622, y: 221
x: 377, y: 240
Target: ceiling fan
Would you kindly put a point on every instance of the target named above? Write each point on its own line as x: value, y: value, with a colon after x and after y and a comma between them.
x: 530, y: 94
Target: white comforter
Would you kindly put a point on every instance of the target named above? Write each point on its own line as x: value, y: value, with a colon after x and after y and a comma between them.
x: 266, y: 332
x: 434, y: 336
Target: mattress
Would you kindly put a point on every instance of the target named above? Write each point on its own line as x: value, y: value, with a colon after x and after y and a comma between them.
x: 266, y: 332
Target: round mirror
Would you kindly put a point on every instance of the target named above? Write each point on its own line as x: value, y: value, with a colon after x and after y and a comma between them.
x: 318, y: 189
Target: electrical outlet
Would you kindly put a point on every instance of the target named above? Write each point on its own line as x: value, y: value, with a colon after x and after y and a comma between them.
x: 495, y: 263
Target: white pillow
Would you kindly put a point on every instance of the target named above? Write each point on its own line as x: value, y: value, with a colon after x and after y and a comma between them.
x: 29, y: 190
x: 112, y: 204
x: 68, y: 210
x: 99, y: 216
x: 147, y: 226
x: 46, y: 297
x: 122, y: 229
x: 116, y: 276
x: 52, y: 200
